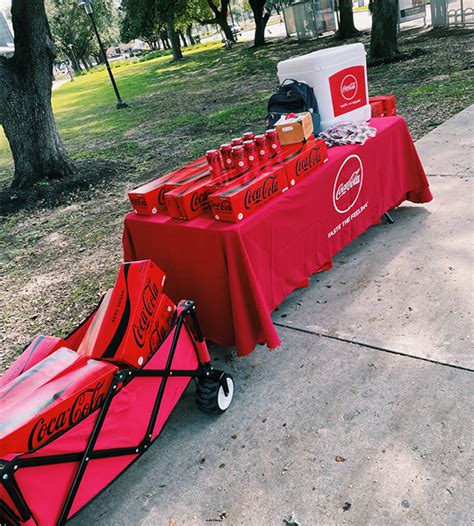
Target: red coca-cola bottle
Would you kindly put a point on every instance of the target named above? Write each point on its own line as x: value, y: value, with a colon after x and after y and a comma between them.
x: 250, y: 149
x: 226, y: 153
x: 248, y: 136
x: 262, y: 147
x: 237, y: 141
x: 273, y: 142
x: 215, y: 163
x: 239, y: 159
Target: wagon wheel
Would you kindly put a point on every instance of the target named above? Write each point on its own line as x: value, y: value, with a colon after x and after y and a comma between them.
x: 211, y: 394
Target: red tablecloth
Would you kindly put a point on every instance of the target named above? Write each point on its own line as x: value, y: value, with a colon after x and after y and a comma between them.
x: 238, y: 273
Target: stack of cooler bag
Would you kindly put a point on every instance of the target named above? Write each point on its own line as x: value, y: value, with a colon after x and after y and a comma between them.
x: 49, y: 387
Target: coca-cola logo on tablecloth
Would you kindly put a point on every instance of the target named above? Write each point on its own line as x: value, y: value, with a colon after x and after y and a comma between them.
x: 349, y: 87
x: 348, y: 184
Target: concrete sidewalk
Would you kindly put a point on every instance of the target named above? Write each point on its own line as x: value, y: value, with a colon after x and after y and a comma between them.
x: 375, y: 370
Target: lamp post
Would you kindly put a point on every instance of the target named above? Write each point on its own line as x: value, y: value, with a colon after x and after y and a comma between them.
x: 89, y: 11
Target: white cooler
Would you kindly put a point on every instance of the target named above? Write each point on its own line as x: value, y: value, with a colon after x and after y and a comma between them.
x: 338, y: 76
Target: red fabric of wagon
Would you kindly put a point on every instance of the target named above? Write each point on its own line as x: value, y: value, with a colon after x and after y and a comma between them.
x: 44, y: 488
x: 238, y: 273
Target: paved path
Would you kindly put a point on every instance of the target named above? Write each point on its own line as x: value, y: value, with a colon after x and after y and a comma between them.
x: 447, y: 150
x: 58, y: 83
x: 376, y: 367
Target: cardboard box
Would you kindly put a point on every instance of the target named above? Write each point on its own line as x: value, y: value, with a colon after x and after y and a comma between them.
x: 243, y: 197
x: 294, y: 128
x: 388, y: 102
x: 40, y: 348
x: 57, y: 363
x: 185, y: 179
x: 52, y: 396
x: 121, y: 327
x: 189, y: 201
x: 302, y: 159
x: 376, y: 109
x: 90, y: 338
x: 148, y: 199
x: 162, y: 323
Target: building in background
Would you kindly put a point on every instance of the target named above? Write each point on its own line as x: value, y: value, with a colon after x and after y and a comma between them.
x: 309, y: 18
x: 6, y: 36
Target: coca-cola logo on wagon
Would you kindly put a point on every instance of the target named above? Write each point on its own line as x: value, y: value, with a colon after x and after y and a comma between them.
x: 348, y: 87
x: 348, y: 184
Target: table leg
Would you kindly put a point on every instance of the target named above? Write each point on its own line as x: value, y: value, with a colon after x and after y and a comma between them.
x: 389, y: 218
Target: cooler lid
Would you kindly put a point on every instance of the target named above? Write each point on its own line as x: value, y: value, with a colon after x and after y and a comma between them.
x: 322, y: 57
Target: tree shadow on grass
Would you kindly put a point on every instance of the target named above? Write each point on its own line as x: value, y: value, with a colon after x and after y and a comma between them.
x: 399, y: 57
x: 87, y: 177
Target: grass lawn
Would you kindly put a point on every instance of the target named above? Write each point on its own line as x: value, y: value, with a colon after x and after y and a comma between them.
x: 61, y: 252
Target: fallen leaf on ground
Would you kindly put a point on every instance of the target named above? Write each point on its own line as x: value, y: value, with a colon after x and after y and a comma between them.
x: 340, y: 458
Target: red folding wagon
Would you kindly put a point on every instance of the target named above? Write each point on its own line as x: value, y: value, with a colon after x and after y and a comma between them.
x: 49, y: 485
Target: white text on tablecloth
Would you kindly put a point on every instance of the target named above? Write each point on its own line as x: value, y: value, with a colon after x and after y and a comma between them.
x: 348, y: 219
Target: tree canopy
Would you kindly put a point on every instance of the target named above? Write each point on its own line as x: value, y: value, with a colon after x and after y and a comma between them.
x: 71, y: 28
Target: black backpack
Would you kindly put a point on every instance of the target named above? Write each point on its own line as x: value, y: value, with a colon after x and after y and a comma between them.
x: 293, y: 97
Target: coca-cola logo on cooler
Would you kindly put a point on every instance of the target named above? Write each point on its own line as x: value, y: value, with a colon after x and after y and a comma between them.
x: 348, y: 184
x: 349, y: 87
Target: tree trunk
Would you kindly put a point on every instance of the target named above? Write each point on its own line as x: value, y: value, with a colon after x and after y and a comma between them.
x: 25, y: 99
x: 224, y: 25
x: 346, y: 23
x: 336, y: 11
x: 164, y: 40
x: 261, y: 20
x: 221, y: 18
x: 181, y: 36
x: 260, y: 25
x: 174, y: 40
x: 189, y: 32
x: 72, y: 59
x: 383, y: 38
x: 152, y: 43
